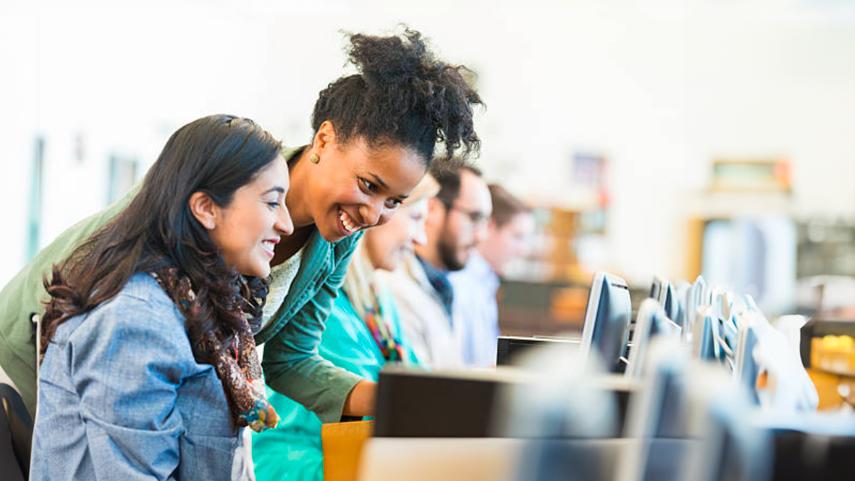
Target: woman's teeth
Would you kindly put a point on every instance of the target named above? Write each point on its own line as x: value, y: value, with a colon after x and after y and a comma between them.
x: 269, y: 246
x: 347, y: 222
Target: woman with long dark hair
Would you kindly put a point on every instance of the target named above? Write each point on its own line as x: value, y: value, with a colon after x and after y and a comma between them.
x: 149, y: 366
x: 375, y: 134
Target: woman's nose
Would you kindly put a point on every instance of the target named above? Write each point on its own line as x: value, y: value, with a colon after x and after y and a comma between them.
x: 284, y: 223
x: 371, y: 213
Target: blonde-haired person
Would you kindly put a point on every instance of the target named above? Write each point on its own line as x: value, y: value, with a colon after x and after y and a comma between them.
x: 363, y: 333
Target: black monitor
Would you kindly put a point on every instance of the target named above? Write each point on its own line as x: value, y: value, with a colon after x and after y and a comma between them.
x: 509, y: 348
x: 453, y: 404
x: 816, y: 445
x: 607, y: 319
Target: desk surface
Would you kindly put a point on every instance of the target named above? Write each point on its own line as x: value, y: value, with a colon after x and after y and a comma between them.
x: 501, y: 459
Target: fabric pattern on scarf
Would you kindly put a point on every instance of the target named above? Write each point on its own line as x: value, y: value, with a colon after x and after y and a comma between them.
x: 237, y: 367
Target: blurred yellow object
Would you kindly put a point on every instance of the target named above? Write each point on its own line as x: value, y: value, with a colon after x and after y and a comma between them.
x: 827, y: 386
x: 342, y: 446
x: 834, y: 353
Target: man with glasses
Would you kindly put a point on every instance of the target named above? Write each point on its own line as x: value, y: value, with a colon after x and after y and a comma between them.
x: 456, y: 222
x: 508, y: 235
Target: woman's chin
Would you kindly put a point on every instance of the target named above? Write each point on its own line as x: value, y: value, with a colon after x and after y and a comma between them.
x: 391, y: 262
x: 331, y: 236
x: 261, y: 269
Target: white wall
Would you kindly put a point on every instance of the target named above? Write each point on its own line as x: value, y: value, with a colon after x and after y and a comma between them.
x: 659, y: 87
x: 18, y: 106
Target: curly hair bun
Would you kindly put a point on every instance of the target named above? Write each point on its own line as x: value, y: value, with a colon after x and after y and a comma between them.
x: 390, y: 59
x: 403, y: 95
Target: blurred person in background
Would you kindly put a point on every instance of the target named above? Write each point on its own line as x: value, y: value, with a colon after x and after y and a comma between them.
x: 363, y: 334
x: 149, y: 364
x: 374, y: 137
x: 456, y: 224
x: 475, y: 287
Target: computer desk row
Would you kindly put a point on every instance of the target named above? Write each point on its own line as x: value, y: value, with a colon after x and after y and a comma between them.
x: 440, y: 423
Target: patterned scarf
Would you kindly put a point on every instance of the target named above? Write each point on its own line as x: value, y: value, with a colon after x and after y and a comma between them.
x: 237, y: 366
x: 389, y: 345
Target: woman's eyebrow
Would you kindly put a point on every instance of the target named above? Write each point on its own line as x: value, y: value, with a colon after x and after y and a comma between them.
x: 281, y: 190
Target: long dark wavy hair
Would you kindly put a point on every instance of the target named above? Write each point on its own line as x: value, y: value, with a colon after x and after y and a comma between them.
x: 215, y: 155
x: 402, y: 95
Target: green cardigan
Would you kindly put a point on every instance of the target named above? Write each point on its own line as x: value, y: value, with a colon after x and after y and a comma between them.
x: 291, y: 361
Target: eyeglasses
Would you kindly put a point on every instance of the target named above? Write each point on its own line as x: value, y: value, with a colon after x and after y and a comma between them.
x: 476, y: 217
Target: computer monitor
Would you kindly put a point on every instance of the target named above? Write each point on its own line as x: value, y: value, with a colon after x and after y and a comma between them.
x: 724, y: 335
x: 728, y: 337
x: 811, y: 445
x: 747, y: 369
x: 704, y: 339
x: 650, y: 322
x: 657, y: 413
x: 669, y: 301
x: 509, y: 348
x: 656, y: 287
x: 697, y: 298
x: 416, y: 403
x: 607, y: 319
x: 729, y: 447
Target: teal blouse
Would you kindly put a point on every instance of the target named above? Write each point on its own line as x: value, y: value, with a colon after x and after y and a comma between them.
x: 292, y: 451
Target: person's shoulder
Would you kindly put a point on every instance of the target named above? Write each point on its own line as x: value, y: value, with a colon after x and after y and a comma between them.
x: 406, y: 292
x: 477, y: 274
x: 141, y: 305
x: 142, y: 289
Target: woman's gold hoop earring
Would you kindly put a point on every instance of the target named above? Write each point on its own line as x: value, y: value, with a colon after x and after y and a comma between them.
x: 314, y: 158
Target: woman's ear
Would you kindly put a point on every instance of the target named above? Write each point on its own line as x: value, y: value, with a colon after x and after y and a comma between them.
x: 204, y: 209
x: 324, y: 138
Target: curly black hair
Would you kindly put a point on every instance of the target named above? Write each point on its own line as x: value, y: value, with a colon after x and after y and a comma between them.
x: 402, y: 95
